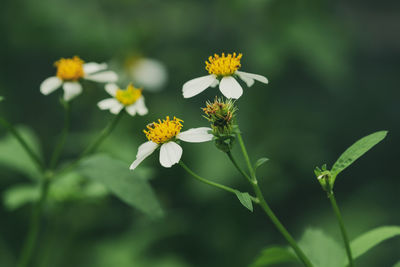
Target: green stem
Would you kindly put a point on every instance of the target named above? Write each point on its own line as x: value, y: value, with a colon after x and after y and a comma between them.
x: 246, y: 157
x: 35, y: 158
x: 335, y: 207
x: 30, y: 241
x: 220, y: 186
x: 253, y: 181
x: 63, y: 137
x: 237, y: 166
x: 95, y: 144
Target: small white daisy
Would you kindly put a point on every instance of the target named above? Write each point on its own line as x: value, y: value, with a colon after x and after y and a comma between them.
x: 70, y: 71
x: 222, y: 70
x: 163, y: 134
x: 131, y: 99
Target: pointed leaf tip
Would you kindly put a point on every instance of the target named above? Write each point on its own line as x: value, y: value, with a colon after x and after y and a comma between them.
x: 245, y: 200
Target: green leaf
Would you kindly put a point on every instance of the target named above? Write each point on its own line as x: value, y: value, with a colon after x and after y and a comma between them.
x: 20, y: 195
x: 13, y: 156
x: 321, y: 249
x: 274, y: 255
x: 358, y: 149
x: 397, y: 264
x: 130, y: 187
x: 245, y: 199
x: 1, y: 98
x: 372, y: 238
x: 260, y: 162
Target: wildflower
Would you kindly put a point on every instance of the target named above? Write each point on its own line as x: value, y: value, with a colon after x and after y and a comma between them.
x: 221, y: 115
x: 222, y: 70
x: 165, y: 134
x: 131, y: 99
x: 150, y: 73
x: 70, y: 71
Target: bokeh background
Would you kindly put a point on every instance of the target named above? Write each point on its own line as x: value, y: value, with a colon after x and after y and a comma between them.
x: 333, y: 68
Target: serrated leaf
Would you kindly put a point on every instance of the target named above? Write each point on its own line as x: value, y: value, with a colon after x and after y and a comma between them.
x: 13, y: 156
x: 321, y: 249
x: 260, y: 162
x: 355, y: 151
x: 129, y: 186
x: 372, y: 238
x: 245, y: 199
x: 19, y: 195
x: 274, y: 255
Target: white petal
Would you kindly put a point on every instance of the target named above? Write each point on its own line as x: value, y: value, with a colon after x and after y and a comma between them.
x: 197, y: 85
x: 144, y: 151
x: 50, y: 84
x: 141, y: 107
x: 215, y: 83
x: 92, y: 67
x: 131, y: 109
x: 111, y: 88
x: 103, y: 77
x: 249, y: 81
x: 108, y: 103
x: 170, y: 154
x: 253, y: 76
x: 117, y: 108
x: 196, y: 135
x: 230, y: 88
x: 71, y: 90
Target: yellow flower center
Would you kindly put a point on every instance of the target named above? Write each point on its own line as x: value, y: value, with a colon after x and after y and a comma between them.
x: 70, y: 69
x: 223, y: 65
x: 128, y: 96
x: 163, y: 131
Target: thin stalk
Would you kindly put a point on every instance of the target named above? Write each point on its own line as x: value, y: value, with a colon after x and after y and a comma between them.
x: 253, y: 181
x: 34, y: 157
x: 63, y: 137
x: 246, y: 157
x: 237, y: 166
x: 335, y: 207
x: 280, y: 226
x: 220, y: 186
x: 34, y: 226
x: 96, y: 143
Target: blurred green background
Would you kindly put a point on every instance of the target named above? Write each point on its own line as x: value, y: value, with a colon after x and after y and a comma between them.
x: 333, y: 68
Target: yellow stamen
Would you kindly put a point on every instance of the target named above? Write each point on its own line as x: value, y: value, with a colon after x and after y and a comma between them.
x: 128, y: 96
x: 70, y: 69
x: 163, y: 131
x: 223, y: 65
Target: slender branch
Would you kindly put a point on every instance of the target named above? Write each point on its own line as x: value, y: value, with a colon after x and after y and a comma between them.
x: 335, y: 207
x: 34, y: 226
x: 229, y: 153
x: 220, y: 186
x: 34, y: 157
x: 246, y: 157
x: 63, y: 137
x: 253, y: 181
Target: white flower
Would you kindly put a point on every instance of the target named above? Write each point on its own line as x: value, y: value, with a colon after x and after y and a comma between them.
x: 149, y: 73
x: 131, y: 99
x: 222, y: 70
x: 163, y: 134
x: 70, y: 71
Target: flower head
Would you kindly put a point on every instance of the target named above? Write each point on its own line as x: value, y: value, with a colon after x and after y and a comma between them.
x: 130, y: 98
x: 163, y: 131
x: 70, y: 71
x: 165, y: 134
x: 223, y: 70
x: 221, y: 115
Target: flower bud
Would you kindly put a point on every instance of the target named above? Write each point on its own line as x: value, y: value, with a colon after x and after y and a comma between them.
x: 221, y: 115
x: 324, y: 178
